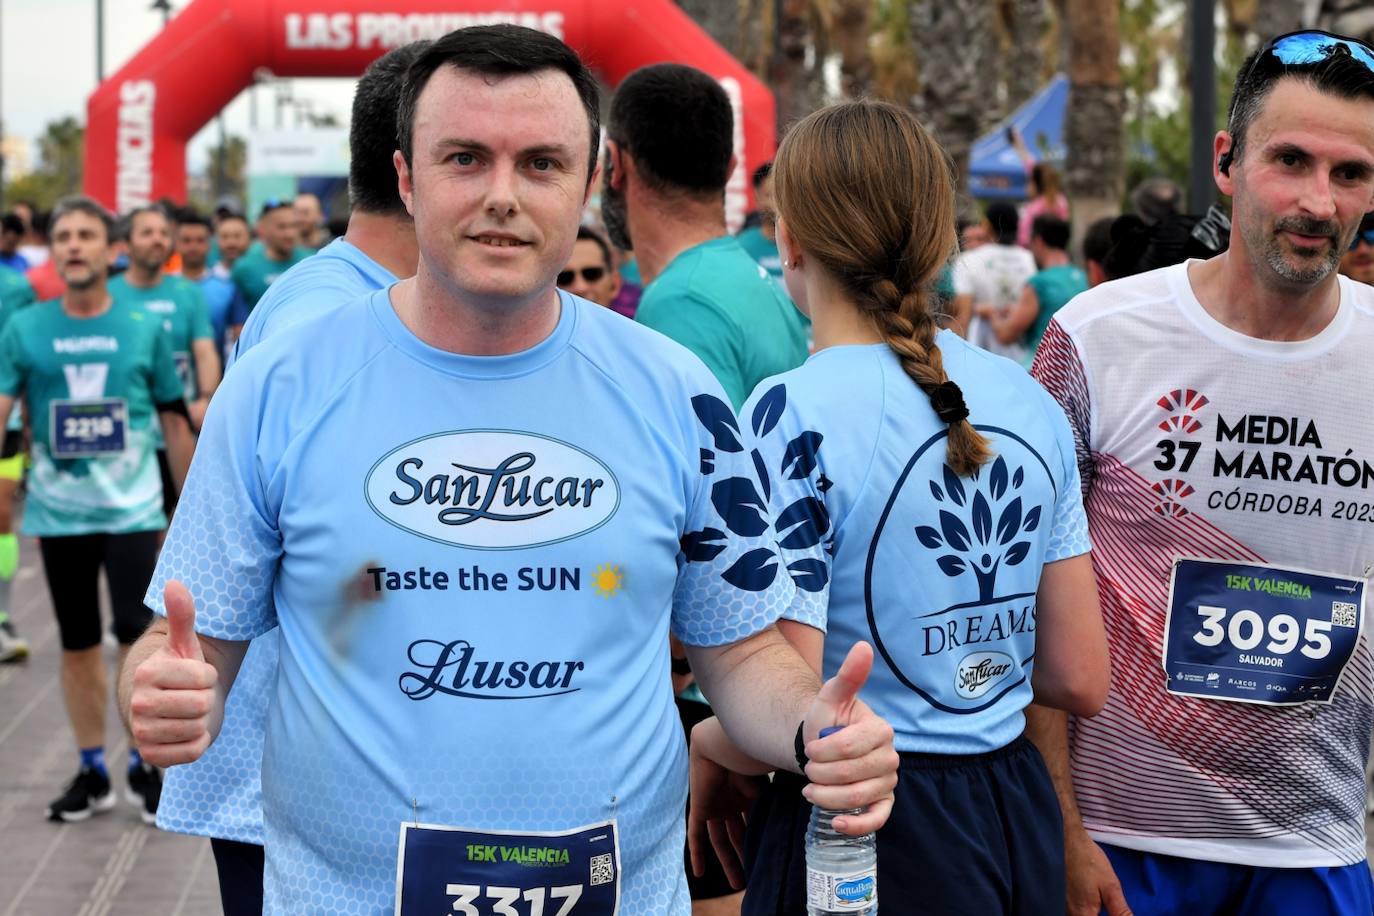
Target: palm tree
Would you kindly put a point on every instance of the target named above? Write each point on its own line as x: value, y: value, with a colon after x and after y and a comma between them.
x: 954, y: 40
x: 850, y: 30
x: 1345, y: 17
x: 1025, y: 59
x: 1093, y: 124
x: 797, y: 86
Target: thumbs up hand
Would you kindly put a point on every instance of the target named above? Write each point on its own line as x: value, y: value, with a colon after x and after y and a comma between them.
x: 174, y: 690
x: 855, y: 767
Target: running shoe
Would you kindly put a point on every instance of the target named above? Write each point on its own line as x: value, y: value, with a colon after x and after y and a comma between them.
x: 145, y: 790
x: 89, y: 793
x: 13, y: 647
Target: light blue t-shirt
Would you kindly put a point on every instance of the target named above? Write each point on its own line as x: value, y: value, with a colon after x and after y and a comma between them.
x: 224, y: 303
x: 887, y: 544
x: 318, y: 284
x: 474, y: 563
x: 220, y: 795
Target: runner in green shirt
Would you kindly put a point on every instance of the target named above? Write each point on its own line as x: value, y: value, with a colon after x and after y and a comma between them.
x: 278, y: 250
x: 176, y: 302
x: 16, y: 293
x: 95, y: 376
x: 761, y: 240
x: 1046, y: 291
x: 669, y: 153
x: 715, y: 300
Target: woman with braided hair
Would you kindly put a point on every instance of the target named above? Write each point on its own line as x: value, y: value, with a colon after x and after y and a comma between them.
x: 927, y: 499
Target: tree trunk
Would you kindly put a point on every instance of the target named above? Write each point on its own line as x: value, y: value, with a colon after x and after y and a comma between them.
x: 720, y: 19
x: 1274, y: 17
x: 952, y: 39
x: 1095, y: 166
x: 850, y: 31
x: 1061, y: 35
x: 789, y: 74
x: 1024, y: 58
x: 1345, y: 17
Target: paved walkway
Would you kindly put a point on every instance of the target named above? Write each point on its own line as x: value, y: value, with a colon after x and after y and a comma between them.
x: 110, y: 865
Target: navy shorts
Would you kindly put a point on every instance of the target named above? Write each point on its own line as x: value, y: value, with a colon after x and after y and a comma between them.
x: 975, y: 835
x: 1156, y: 885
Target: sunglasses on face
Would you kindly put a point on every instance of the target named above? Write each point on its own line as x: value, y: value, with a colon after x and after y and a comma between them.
x: 1365, y: 235
x: 589, y: 275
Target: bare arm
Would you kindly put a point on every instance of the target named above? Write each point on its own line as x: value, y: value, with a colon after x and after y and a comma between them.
x: 174, y: 682
x: 1092, y: 885
x: 208, y: 373
x: 709, y: 739
x: 181, y: 445
x: 1071, y: 668
x: 760, y: 688
x: 960, y: 313
x: 1010, y: 325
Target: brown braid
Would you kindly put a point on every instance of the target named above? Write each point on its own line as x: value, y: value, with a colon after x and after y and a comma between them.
x: 868, y: 193
x: 909, y: 330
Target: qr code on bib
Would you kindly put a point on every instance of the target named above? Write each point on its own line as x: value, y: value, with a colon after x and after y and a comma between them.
x: 603, y: 870
x: 1342, y: 614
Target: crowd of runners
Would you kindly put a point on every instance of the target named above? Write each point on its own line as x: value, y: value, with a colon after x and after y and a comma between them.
x: 538, y: 497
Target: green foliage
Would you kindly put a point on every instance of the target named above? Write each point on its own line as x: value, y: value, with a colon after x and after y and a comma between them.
x: 61, y: 150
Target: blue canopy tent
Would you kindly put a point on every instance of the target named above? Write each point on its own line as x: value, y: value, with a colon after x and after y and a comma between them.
x: 995, y: 170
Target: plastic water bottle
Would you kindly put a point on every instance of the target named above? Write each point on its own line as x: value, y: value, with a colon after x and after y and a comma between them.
x: 841, y: 870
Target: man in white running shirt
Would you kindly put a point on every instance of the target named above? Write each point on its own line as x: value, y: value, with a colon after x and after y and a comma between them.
x: 1221, y: 414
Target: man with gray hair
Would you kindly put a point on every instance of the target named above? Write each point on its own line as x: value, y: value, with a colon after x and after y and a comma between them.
x: 97, y: 376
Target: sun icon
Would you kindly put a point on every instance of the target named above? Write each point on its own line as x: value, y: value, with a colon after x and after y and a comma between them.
x: 607, y: 580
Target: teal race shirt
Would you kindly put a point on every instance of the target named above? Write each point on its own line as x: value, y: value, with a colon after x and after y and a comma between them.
x: 255, y: 271
x: 91, y: 386
x: 1054, y: 287
x: 887, y: 544
x: 474, y: 564
x: 179, y: 305
x: 716, y: 301
x: 761, y: 249
x: 16, y: 293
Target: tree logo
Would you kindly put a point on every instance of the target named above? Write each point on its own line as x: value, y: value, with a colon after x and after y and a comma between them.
x: 980, y: 546
x: 952, y: 571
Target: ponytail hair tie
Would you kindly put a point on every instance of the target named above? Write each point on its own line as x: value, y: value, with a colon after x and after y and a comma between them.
x: 948, y: 401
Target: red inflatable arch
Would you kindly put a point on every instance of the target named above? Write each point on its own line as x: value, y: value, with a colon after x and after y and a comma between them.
x: 140, y: 120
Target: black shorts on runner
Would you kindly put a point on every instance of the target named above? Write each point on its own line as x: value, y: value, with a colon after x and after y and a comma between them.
x: 713, y: 883
x: 14, y: 443
x: 240, y: 867
x: 975, y: 835
x: 73, y: 564
x: 169, y: 488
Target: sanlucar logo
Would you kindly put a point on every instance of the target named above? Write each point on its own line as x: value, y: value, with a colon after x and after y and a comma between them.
x: 980, y: 672
x: 492, y: 489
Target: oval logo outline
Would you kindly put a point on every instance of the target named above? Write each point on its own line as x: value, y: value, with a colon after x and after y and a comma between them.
x: 394, y: 454
x: 988, y: 669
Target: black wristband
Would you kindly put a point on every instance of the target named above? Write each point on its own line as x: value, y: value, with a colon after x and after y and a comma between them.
x: 799, y: 746
x: 681, y: 665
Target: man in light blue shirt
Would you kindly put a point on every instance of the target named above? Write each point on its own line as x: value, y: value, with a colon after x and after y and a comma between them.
x: 223, y: 300
x: 220, y: 795
x: 465, y: 500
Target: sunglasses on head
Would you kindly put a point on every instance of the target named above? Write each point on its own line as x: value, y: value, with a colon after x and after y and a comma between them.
x: 589, y: 275
x: 1312, y: 46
